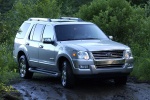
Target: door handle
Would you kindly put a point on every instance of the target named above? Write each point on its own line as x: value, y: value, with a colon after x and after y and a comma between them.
x: 41, y: 46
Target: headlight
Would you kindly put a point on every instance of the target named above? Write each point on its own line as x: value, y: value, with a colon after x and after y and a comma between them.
x: 81, y: 55
x: 128, y: 54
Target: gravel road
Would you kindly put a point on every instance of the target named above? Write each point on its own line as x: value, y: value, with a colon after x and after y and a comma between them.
x: 42, y: 87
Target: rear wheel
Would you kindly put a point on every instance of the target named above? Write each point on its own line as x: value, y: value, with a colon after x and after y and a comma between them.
x: 121, y: 80
x: 23, y: 68
x: 67, y: 77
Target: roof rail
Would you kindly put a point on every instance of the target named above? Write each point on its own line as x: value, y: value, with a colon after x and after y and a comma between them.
x: 40, y: 19
x: 72, y: 18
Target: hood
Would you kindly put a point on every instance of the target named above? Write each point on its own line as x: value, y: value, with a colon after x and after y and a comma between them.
x: 95, y: 45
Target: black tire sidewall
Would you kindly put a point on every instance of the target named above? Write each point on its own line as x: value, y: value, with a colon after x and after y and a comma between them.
x: 22, y: 57
x: 69, y: 75
x: 28, y: 74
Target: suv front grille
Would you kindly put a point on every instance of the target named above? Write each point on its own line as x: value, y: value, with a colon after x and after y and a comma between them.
x: 110, y: 66
x: 107, y: 54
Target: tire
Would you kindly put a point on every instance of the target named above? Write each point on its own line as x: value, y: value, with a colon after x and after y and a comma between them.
x: 121, y: 80
x: 67, y: 77
x: 23, y: 68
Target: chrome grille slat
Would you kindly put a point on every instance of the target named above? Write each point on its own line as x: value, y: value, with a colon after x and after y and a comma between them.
x: 107, y: 54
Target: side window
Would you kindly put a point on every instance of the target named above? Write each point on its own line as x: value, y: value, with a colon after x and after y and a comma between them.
x: 48, y: 32
x: 31, y: 32
x: 37, y: 32
x: 23, y: 29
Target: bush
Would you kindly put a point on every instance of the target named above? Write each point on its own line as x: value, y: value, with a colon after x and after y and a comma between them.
x: 141, y: 49
x: 7, y: 64
x: 142, y: 65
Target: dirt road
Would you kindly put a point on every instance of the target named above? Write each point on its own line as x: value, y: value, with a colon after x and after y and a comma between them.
x: 42, y: 87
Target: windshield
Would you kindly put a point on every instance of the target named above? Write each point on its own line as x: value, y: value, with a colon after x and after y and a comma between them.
x: 78, y: 32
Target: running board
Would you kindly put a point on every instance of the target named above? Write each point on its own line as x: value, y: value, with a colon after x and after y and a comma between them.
x: 51, y: 73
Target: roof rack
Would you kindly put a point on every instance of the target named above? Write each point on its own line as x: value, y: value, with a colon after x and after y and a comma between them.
x: 40, y: 19
x: 72, y: 18
x: 61, y: 19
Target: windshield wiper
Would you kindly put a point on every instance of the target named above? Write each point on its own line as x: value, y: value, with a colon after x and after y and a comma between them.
x: 69, y: 39
x: 81, y: 39
x: 89, y: 38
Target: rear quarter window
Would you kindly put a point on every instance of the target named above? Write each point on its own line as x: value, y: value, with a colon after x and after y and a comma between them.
x: 22, y: 30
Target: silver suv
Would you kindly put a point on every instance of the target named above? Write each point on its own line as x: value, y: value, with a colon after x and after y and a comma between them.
x: 70, y: 48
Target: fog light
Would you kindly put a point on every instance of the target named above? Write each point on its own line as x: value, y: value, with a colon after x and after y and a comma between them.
x: 129, y: 65
x: 83, y: 66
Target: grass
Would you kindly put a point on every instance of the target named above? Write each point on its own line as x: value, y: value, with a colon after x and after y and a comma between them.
x: 7, y: 92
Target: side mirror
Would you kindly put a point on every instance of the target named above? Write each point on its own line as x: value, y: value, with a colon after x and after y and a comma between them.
x: 48, y: 40
x: 110, y: 37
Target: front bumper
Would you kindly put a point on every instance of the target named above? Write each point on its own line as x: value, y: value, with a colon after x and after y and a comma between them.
x: 106, y: 66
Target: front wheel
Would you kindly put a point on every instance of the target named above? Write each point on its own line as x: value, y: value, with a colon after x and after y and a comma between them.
x: 23, y: 68
x: 67, y: 77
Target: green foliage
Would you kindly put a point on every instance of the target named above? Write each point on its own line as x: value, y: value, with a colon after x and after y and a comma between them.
x: 142, y: 63
x: 147, y: 8
x: 141, y: 49
x: 115, y: 17
x: 4, y: 33
x: 6, y: 5
x: 21, y: 11
x: 7, y: 64
x: 24, y: 9
x: 40, y: 8
x: 3, y: 87
x: 69, y: 7
x: 138, y: 2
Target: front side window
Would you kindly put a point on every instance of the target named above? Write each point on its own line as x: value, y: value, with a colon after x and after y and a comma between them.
x: 48, y: 32
x: 78, y: 32
x: 37, y: 32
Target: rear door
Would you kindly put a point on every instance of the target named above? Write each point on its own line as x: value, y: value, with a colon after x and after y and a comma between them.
x: 33, y: 44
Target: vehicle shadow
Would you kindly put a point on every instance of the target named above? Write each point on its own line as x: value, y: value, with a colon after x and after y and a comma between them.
x: 85, y: 89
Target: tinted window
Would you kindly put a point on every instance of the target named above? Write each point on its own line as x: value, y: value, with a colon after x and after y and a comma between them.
x: 37, y: 32
x: 78, y: 32
x: 23, y: 29
x: 48, y: 32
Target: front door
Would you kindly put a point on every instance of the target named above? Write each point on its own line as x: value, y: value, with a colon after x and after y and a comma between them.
x: 47, y: 50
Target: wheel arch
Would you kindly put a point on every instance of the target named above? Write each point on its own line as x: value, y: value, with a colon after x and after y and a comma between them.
x: 61, y: 59
x: 20, y: 53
